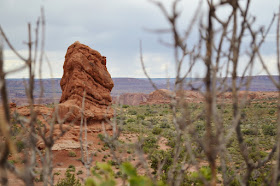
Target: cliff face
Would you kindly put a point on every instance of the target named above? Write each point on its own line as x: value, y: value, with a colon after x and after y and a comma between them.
x: 85, y: 75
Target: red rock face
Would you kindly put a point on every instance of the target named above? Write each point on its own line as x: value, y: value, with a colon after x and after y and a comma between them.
x: 160, y: 96
x: 85, y: 73
x: 131, y: 99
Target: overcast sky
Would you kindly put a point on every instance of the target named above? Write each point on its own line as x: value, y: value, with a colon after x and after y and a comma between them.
x: 114, y: 28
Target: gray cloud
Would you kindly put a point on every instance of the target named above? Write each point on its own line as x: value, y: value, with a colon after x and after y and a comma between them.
x: 112, y: 27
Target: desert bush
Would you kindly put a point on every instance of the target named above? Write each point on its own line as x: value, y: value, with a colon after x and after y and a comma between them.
x: 159, y: 156
x: 164, y: 125
x: 132, y: 112
x: 125, y: 106
x: 71, y: 168
x: 80, y: 172
x: 195, y: 177
x: 156, y: 130
x: 171, y: 142
x: 130, y: 120
x: 269, y: 129
x: 69, y: 180
x: 140, y: 117
x: 271, y: 112
x: 200, y: 127
x: 15, y: 129
x: 250, y: 131
x: 164, y: 112
x: 149, y: 144
x: 20, y: 145
x: 153, y: 120
x: 120, y: 117
x: 72, y: 154
x: 101, y: 137
x: 40, y: 179
x: 255, y: 155
x: 107, y: 177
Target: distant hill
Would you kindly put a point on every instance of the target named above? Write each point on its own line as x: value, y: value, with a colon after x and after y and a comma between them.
x: 258, y: 83
x: 133, y: 85
x: 52, y: 91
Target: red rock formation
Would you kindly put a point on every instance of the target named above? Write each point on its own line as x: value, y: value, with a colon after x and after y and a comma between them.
x: 12, y: 105
x: 85, y: 72
x: 40, y: 110
x: 161, y: 96
x: 131, y: 98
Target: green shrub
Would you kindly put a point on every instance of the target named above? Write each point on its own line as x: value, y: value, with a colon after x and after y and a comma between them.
x: 256, y: 155
x: 146, y: 123
x: 40, y: 179
x: 72, y: 154
x: 130, y: 120
x: 140, y: 117
x: 271, y: 112
x: 12, y: 161
x: 165, y: 112
x: 69, y: 180
x: 195, y: 176
x: 132, y: 112
x: 269, y: 130
x: 148, y: 112
x: 101, y: 137
x: 164, y: 125
x: 71, y: 168
x: 250, y: 131
x: 171, y: 143
x: 133, y: 177
x: 153, y: 120
x: 56, y: 173
x: 20, y: 145
x: 15, y: 129
x: 200, y: 126
x: 125, y: 106
x: 159, y: 156
x: 150, y: 143
x: 156, y: 131
x: 120, y: 117
x: 107, y: 177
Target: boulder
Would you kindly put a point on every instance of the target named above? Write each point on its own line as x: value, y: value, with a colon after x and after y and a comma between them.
x: 85, y: 77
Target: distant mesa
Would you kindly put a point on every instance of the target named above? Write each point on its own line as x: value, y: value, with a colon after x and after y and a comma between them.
x: 85, y: 75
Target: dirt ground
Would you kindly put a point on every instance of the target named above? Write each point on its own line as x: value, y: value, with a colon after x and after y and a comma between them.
x: 64, y: 146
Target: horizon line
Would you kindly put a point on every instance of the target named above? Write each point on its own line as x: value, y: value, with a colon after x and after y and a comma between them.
x: 151, y: 77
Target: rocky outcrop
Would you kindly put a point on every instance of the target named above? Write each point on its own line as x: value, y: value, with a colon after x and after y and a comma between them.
x: 12, y: 105
x: 85, y: 75
x: 131, y: 99
x: 161, y: 96
x: 40, y: 110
